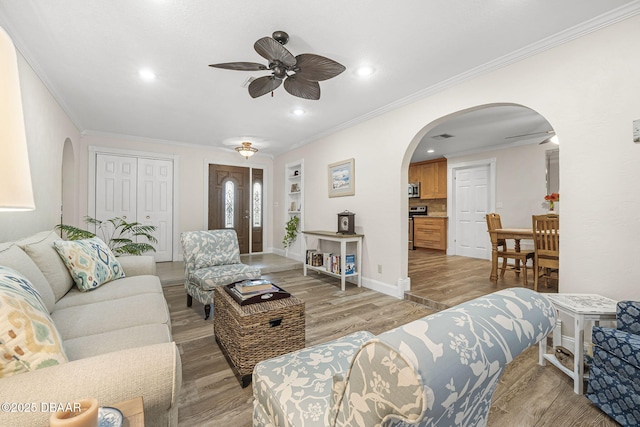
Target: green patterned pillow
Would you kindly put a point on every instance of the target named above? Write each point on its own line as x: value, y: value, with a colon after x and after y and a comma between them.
x: 29, y: 339
x: 90, y: 262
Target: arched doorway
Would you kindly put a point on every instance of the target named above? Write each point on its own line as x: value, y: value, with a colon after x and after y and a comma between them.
x: 504, y: 148
x: 69, y: 193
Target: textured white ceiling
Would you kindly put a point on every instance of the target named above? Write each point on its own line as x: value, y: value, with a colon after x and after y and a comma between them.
x: 89, y: 53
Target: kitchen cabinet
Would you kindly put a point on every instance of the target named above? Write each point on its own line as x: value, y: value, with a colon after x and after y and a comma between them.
x: 432, y: 176
x: 430, y: 232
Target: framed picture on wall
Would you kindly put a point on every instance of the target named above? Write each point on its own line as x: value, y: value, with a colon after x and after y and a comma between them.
x: 342, y: 178
x: 636, y: 131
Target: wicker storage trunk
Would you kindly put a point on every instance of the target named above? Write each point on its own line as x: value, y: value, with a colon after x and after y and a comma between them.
x: 255, y: 332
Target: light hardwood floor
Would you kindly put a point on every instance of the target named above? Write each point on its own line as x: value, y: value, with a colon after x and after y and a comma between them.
x: 528, y: 394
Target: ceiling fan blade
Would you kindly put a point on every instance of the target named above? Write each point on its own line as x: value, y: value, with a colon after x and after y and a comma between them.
x: 316, y: 68
x: 241, y: 66
x: 302, y: 88
x: 263, y: 85
x: 550, y: 132
x: 271, y: 50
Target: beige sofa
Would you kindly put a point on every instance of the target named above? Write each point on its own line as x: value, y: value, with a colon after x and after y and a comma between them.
x: 117, y: 338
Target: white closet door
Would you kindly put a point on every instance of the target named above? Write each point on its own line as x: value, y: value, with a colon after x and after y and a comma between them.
x: 155, y: 202
x: 116, y: 187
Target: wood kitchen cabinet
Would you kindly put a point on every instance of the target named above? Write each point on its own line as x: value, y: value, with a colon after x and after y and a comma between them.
x: 432, y: 176
x: 430, y: 232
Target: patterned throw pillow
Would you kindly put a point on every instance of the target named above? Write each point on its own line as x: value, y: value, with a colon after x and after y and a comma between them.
x: 29, y: 339
x: 90, y: 262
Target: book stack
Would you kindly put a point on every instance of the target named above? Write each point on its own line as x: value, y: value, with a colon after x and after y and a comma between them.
x: 331, y: 261
x: 314, y: 258
x: 255, y: 290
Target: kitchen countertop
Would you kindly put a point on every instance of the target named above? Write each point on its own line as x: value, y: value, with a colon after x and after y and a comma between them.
x: 431, y: 216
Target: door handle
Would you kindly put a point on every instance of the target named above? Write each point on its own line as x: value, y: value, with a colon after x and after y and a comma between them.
x: 148, y: 217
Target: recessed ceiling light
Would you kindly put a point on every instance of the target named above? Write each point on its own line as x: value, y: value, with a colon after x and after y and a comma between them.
x: 298, y: 112
x: 431, y: 150
x: 364, y: 71
x: 147, y: 74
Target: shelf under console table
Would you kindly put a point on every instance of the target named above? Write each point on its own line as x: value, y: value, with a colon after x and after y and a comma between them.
x: 343, y: 239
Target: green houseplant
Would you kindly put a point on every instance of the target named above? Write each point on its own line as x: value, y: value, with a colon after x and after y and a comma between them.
x: 117, y: 233
x: 291, y: 231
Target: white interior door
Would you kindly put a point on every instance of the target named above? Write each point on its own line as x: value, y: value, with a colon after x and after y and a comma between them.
x: 155, y: 202
x: 139, y: 190
x: 116, y: 182
x: 471, y: 207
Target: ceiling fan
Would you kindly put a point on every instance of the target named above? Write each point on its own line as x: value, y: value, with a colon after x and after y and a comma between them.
x: 550, y: 138
x: 300, y: 74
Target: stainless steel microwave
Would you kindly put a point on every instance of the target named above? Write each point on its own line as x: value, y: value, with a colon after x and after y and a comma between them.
x: 414, y: 190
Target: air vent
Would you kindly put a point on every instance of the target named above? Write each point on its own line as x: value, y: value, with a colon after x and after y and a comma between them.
x: 248, y: 82
x: 442, y: 136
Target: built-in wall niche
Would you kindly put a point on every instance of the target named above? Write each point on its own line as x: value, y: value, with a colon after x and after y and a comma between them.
x: 294, y: 202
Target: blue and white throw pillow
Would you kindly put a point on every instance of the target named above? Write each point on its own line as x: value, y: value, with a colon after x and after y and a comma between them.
x: 90, y: 262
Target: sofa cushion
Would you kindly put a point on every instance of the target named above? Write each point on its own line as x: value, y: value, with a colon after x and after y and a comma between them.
x: 15, y: 258
x: 121, y: 288
x: 29, y: 339
x: 90, y: 262
x: 106, y: 316
x: 294, y: 387
x: 136, y: 336
x: 40, y: 248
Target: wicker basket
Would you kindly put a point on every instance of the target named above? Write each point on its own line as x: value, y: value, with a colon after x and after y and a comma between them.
x: 252, y: 333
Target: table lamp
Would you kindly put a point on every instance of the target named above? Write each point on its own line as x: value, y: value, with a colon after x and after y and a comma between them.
x: 16, y: 192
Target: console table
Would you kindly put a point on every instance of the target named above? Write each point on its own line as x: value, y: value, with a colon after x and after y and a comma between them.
x: 581, y: 307
x: 343, y: 239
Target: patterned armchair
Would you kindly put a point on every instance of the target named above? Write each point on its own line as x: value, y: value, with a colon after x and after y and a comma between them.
x: 614, y: 377
x: 440, y: 370
x: 212, y: 258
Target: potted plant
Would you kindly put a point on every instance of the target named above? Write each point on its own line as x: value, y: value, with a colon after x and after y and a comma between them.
x: 117, y: 233
x: 291, y: 231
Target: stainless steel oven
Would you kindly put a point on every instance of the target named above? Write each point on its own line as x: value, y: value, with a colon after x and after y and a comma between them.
x: 414, y: 210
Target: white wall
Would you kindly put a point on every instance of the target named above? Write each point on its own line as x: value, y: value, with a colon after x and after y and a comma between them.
x: 520, y: 181
x: 47, y: 127
x: 191, y: 197
x: 587, y: 89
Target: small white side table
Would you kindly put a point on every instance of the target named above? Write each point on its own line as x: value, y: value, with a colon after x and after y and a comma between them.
x: 343, y: 239
x: 581, y: 307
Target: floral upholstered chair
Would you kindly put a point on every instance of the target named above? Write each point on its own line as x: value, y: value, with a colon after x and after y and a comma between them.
x: 212, y: 258
x: 614, y: 377
x: 439, y: 371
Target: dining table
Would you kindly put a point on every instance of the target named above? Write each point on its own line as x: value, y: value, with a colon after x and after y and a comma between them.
x: 498, y: 234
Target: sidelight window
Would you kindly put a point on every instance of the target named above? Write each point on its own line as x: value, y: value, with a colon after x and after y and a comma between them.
x: 229, y: 202
x: 257, y: 204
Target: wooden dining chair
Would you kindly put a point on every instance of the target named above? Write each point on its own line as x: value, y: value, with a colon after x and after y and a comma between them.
x: 546, y: 244
x: 521, y: 257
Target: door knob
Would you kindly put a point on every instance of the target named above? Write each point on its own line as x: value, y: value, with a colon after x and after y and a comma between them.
x: 148, y: 217
x: 124, y: 217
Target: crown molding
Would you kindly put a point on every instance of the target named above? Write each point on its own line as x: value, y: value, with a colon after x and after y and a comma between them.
x: 612, y: 17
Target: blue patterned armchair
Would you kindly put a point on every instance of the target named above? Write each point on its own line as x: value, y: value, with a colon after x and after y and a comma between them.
x: 440, y: 370
x: 212, y: 258
x: 614, y: 377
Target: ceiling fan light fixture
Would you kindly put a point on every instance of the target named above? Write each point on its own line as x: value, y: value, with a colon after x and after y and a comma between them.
x: 554, y: 140
x: 246, y: 150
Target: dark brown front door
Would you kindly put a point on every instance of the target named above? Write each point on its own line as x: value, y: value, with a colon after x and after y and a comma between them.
x: 230, y: 203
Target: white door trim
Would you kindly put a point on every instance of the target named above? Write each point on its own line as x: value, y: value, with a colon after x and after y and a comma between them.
x: 91, y: 200
x: 451, y: 207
